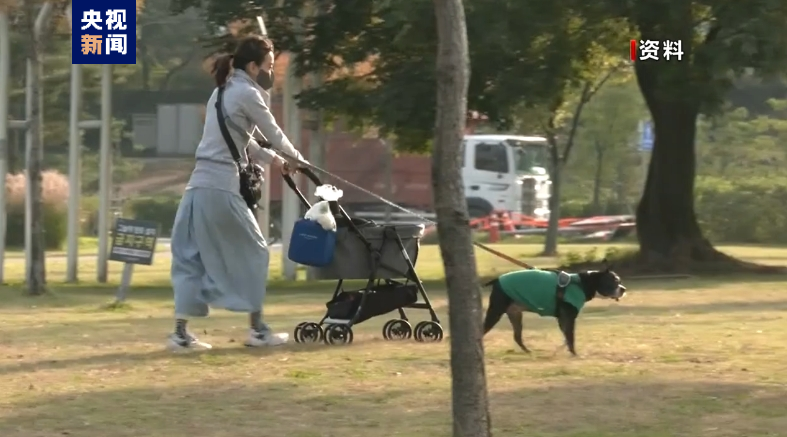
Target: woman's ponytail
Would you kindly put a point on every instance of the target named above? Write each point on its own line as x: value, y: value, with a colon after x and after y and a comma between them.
x: 221, y: 69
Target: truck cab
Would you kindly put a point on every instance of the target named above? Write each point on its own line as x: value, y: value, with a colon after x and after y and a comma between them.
x: 506, y: 173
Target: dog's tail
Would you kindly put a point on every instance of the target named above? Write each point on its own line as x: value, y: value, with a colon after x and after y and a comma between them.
x: 498, y: 305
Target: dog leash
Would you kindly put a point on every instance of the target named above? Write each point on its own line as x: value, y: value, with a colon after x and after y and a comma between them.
x: 384, y: 200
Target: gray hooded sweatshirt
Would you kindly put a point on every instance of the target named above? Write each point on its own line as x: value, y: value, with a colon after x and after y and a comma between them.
x: 245, y: 105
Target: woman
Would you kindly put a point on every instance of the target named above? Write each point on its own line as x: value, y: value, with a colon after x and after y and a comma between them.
x: 219, y: 256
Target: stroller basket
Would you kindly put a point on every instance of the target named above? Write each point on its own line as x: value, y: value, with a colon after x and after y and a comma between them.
x: 381, y: 300
x: 352, y: 260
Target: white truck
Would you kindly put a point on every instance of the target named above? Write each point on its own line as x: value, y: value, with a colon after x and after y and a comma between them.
x: 506, y: 173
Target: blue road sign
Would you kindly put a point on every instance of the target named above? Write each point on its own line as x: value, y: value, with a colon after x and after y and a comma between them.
x: 646, y: 137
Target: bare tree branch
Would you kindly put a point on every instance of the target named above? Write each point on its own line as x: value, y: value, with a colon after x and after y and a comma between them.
x: 588, y: 91
x: 177, y: 68
x: 584, y: 98
x: 612, y: 71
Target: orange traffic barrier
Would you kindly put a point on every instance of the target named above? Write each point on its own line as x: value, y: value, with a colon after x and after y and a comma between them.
x: 494, y: 233
x: 506, y: 223
x: 493, y: 228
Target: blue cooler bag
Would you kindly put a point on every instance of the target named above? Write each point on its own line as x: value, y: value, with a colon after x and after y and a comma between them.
x: 311, y: 245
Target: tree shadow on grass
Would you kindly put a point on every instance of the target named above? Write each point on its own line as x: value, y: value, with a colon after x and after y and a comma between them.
x: 70, y: 295
x: 100, y: 298
x: 161, y: 355
x: 302, y: 405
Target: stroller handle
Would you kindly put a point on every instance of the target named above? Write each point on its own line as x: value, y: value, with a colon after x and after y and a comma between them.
x: 310, y: 174
x: 291, y: 183
x: 335, y: 207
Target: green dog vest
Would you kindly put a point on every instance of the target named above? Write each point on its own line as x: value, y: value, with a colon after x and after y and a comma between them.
x: 536, y: 290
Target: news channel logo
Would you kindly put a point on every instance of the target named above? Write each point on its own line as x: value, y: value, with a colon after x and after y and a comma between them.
x: 104, y: 32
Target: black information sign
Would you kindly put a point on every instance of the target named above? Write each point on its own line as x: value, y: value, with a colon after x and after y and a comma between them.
x: 134, y: 241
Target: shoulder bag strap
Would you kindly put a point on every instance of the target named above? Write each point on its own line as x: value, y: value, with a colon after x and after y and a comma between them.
x: 223, y: 127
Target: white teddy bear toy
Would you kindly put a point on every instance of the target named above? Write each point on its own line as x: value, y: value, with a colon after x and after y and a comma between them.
x: 321, y: 211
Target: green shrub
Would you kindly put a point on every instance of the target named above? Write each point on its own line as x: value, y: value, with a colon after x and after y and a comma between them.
x: 590, y: 255
x: 88, y: 212
x: 55, y: 209
x: 161, y: 209
x: 582, y: 209
x: 743, y: 211
x: 570, y: 258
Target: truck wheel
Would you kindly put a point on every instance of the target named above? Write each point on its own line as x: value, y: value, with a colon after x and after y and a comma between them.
x: 475, y: 212
x: 478, y: 208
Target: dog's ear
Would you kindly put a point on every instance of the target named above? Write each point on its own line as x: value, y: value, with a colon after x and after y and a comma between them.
x: 607, y: 265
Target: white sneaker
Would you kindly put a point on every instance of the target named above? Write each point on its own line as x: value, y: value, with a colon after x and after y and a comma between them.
x: 266, y: 338
x: 177, y: 343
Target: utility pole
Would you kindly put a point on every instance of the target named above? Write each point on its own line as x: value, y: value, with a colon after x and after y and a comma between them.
x: 317, y: 144
x: 290, y: 207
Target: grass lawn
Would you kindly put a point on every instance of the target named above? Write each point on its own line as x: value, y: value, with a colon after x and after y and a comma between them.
x: 681, y: 358
x: 429, y: 262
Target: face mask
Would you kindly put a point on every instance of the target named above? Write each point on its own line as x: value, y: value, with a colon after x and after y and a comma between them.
x: 265, y: 79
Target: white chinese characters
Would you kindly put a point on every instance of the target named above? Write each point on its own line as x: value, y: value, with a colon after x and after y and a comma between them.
x: 116, y: 19
x: 115, y: 44
x: 673, y: 49
x: 113, y: 23
x: 91, y: 18
x: 650, y: 50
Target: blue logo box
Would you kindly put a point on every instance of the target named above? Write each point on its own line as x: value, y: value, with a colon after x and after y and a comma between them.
x: 104, y: 32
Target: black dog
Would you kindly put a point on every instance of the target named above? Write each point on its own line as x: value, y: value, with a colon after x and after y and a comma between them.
x: 548, y: 293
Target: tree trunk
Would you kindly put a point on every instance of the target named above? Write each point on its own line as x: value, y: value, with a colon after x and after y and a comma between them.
x: 550, y: 243
x: 597, y: 179
x: 669, y: 236
x: 666, y: 223
x: 470, y: 403
x: 145, y: 60
x: 36, y: 279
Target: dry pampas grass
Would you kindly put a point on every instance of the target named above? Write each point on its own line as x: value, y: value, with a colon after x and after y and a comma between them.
x: 55, y: 208
x: 54, y: 187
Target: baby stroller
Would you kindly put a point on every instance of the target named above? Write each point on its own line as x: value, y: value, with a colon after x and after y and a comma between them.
x: 385, y: 257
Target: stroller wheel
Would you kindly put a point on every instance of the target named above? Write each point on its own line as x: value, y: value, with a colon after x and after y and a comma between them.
x: 338, y: 334
x: 310, y: 332
x: 428, y: 332
x: 297, y: 333
x: 397, y: 329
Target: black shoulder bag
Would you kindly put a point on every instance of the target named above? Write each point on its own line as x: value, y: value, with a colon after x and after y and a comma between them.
x: 250, y: 174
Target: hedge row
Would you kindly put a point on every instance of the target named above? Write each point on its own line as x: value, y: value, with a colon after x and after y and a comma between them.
x: 742, y: 211
x: 748, y: 211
